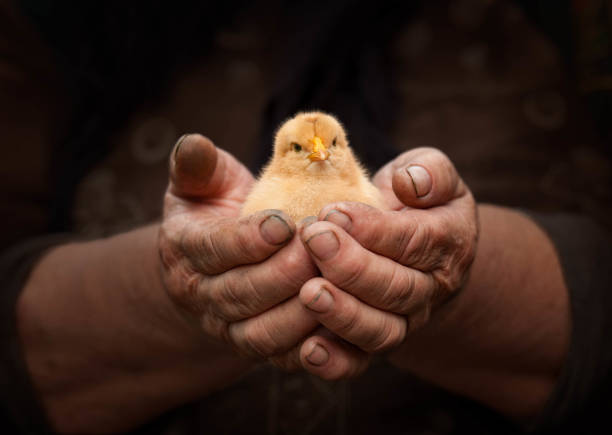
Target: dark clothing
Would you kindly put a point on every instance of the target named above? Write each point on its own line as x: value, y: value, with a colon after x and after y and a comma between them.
x: 107, y: 124
x: 581, y: 401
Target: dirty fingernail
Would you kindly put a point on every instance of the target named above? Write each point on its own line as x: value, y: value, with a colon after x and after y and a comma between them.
x: 307, y: 221
x: 421, y: 180
x: 318, y: 356
x: 324, y: 245
x: 341, y: 219
x: 275, y: 230
x: 322, y: 301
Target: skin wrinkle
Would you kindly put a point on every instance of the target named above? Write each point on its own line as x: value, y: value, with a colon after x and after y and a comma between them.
x: 208, y: 255
x: 402, y: 242
x: 408, y: 299
x: 354, y: 273
x: 247, y: 246
x: 350, y: 316
x: 255, y: 336
x: 253, y: 292
x: 279, y: 330
x: 387, y: 336
x: 420, y: 238
x: 414, y: 299
x: 293, y: 264
x: 226, y: 297
x: 390, y: 295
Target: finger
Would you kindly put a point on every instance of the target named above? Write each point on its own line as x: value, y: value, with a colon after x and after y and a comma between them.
x: 217, y: 245
x: 275, y: 331
x: 330, y: 358
x: 421, y: 178
x: 198, y: 169
x: 373, y: 278
x: 420, y: 239
x: 360, y: 324
x: 246, y: 291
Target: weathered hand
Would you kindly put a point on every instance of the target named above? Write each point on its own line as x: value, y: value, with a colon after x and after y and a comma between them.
x: 234, y: 275
x: 383, y: 272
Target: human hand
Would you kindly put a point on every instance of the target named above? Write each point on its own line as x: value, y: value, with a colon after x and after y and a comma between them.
x: 235, y: 276
x: 383, y: 272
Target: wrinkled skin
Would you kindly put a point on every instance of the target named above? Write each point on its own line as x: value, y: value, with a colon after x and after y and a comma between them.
x: 386, y: 271
x: 232, y: 274
x: 328, y: 293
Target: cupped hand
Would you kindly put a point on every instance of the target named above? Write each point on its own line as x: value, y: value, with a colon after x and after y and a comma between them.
x: 385, y: 272
x: 234, y: 275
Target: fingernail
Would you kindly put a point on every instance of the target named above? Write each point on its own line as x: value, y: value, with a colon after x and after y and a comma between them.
x: 307, y: 221
x: 421, y: 180
x: 322, y: 302
x: 318, y: 356
x: 178, y: 144
x: 324, y: 245
x: 343, y: 220
x: 275, y: 230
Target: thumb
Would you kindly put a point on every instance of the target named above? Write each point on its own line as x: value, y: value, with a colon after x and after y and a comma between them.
x: 198, y: 169
x: 425, y: 177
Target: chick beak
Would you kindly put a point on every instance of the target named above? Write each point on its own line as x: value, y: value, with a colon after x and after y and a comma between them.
x: 319, y: 151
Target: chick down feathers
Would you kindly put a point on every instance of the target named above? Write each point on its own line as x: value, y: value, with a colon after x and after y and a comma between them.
x: 312, y: 165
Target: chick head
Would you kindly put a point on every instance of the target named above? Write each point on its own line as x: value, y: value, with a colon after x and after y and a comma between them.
x: 312, y: 142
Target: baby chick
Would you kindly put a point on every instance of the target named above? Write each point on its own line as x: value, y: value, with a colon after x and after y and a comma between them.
x: 312, y: 165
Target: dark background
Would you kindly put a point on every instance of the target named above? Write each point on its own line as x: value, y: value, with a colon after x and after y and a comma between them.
x: 93, y: 96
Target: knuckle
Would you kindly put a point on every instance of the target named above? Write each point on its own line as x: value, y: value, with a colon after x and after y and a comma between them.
x: 399, y: 293
x: 390, y: 336
x: 185, y: 291
x: 259, y: 338
x: 191, y: 287
x: 431, y: 245
x: 245, y: 240
x: 200, y: 247
x: 296, y: 267
x: 350, y: 272
x: 417, y: 246
x: 167, y: 249
x: 228, y: 300
x: 448, y: 279
x: 402, y: 241
x: 209, y: 248
x: 348, y: 319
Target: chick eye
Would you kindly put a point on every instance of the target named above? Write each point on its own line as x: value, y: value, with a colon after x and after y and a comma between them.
x: 334, y: 142
x: 297, y: 147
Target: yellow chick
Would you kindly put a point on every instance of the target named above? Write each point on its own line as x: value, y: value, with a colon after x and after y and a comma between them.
x: 312, y: 165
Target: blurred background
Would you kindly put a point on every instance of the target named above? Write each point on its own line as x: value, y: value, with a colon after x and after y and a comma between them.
x: 93, y: 96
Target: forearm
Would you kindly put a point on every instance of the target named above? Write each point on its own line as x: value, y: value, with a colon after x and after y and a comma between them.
x: 503, y: 339
x: 105, y: 346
